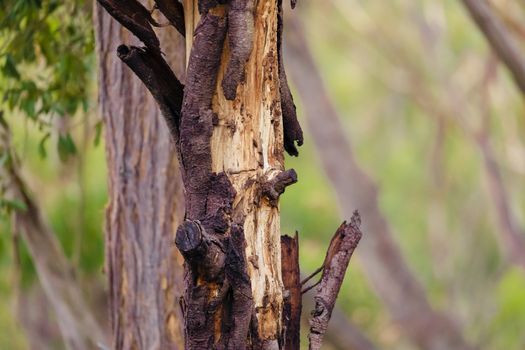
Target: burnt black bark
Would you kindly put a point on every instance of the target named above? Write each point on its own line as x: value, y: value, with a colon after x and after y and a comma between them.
x: 160, y: 80
x: 136, y: 18
x: 291, y: 127
x: 240, y: 39
x: 174, y: 12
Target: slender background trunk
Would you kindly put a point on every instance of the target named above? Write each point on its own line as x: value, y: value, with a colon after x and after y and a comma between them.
x: 146, y: 204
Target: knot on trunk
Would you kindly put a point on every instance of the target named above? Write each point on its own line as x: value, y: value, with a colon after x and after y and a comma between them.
x: 273, y: 188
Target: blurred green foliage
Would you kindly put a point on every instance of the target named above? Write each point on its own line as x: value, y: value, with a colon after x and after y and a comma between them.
x: 46, y: 59
x: 405, y: 76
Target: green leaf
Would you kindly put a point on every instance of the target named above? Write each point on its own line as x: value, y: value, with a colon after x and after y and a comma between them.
x: 98, y: 133
x: 42, y: 146
x: 9, y: 68
x: 66, y: 147
x: 13, y: 204
x: 4, y: 158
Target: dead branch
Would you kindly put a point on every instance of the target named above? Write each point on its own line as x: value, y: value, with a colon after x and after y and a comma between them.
x: 160, y: 80
x: 136, y: 18
x: 341, y: 333
x: 174, y: 12
x: 384, y: 265
x: 336, y: 262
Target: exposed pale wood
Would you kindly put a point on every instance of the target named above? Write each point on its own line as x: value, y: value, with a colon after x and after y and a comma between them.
x: 247, y: 145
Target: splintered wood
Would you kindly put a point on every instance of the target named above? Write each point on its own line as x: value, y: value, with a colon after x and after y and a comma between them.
x: 247, y: 145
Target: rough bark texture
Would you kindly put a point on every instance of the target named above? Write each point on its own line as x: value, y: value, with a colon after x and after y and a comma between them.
x: 230, y: 149
x: 240, y: 39
x: 145, y: 198
x: 78, y: 326
x: 291, y: 128
x: 341, y: 333
x: 293, y: 297
x: 335, y: 264
x: 384, y: 265
x: 229, y: 138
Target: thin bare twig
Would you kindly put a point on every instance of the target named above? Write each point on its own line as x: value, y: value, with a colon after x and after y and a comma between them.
x: 312, y: 275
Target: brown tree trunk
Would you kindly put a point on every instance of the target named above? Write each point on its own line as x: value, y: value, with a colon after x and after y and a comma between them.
x: 247, y: 145
x: 230, y: 125
x: 146, y: 202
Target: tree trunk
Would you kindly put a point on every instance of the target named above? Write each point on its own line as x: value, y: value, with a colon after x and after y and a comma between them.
x: 146, y: 204
x: 230, y: 125
x: 247, y: 146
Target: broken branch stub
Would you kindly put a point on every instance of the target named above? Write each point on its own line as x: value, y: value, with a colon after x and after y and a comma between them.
x: 273, y: 188
x: 159, y: 79
x: 136, y: 18
x: 336, y: 262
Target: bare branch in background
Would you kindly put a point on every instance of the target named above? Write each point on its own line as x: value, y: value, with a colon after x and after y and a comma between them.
x: 384, y: 265
x: 513, y: 235
x: 501, y: 41
x: 76, y: 321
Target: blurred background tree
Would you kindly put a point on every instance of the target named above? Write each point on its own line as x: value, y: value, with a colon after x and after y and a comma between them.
x: 434, y: 118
